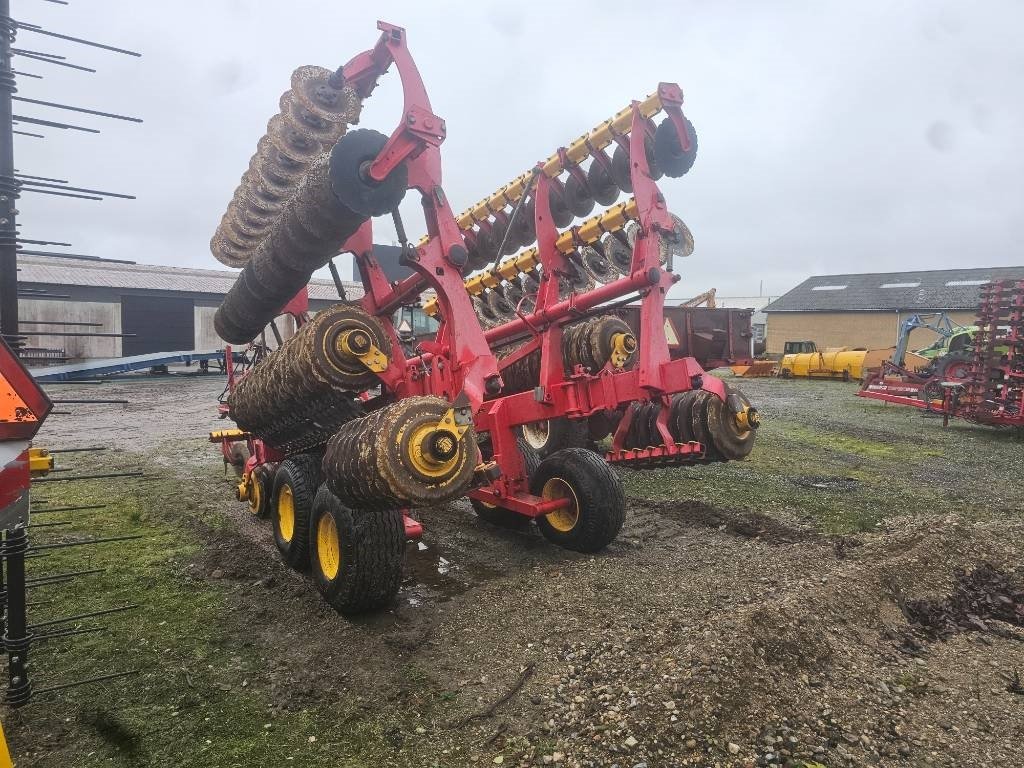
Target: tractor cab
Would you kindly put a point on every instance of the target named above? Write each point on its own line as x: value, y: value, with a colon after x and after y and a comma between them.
x: 799, y: 347
x: 960, y: 341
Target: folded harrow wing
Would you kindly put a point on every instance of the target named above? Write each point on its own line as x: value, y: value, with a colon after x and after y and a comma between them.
x: 348, y: 425
x: 986, y: 388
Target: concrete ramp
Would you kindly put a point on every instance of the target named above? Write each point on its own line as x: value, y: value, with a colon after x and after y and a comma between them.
x: 89, y: 369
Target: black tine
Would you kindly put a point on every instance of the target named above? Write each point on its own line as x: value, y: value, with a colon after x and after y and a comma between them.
x: 40, y: 31
x: 52, y: 124
x: 97, y: 679
x: 86, y: 542
x: 54, y: 577
x: 67, y: 633
x: 79, y: 617
x: 70, y: 108
x: 54, y: 60
x: 68, y: 509
x: 86, y: 477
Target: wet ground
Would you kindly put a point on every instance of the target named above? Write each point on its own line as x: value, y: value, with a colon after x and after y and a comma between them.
x: 753, y: 613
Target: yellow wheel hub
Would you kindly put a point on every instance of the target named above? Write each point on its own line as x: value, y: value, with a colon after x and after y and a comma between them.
x: 623, y: 345
x: 255, y: 495
x: 286, y: 513
x: 748, y: 419
x: 423, y: 459
x: 328, y: 547
x: 564, y: 519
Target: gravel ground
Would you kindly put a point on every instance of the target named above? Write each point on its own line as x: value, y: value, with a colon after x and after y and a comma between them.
x: 749, y: 614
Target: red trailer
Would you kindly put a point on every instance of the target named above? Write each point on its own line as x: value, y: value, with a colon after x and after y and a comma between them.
x: 714, y: 337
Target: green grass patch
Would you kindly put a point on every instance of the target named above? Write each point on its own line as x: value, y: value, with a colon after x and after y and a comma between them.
x: 203, y: 695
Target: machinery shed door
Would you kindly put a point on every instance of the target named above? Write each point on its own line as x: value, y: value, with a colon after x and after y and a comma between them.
x: 161, y: 324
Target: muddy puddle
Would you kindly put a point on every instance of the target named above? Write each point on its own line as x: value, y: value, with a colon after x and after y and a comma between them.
x: 436, y: 575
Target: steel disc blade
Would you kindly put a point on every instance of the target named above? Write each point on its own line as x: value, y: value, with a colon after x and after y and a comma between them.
x: 512, y: 241
x: 619, y: 255
x: 530, y: 283
x: 486, y: 245
x: 597, y: 265
x: 483, y: 310
x: 678, y: 243
x: 561, y: 215
x: 631, y: 230
x: 580, y: 281
x: 652, y: 159
x: 500, y: 306
x: 671, y: 158
x: 578, y: 197
x: 730, y: 441
x: 524, y: 225
x: 601, y: 183
x: 513, y: 292
x: 621, y: 170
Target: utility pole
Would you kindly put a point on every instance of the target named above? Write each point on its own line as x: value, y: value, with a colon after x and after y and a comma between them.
x: 8, y: 184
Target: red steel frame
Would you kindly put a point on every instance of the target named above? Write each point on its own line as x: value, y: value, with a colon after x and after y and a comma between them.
x: 460, y: 358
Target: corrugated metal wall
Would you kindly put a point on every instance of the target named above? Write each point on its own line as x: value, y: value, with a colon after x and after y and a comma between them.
x: 108, y: 313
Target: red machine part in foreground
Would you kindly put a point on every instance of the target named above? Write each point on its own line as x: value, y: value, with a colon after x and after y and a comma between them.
x: 991, y: 391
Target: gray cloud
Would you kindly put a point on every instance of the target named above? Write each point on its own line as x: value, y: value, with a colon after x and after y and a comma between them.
x: 833, y: 136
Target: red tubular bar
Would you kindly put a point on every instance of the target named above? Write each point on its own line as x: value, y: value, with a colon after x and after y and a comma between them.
x: 465, y: 362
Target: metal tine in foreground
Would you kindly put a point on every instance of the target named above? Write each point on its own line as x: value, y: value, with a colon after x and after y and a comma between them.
x: 80, y: 616
x: 87, y: 681
x: 67, y: 509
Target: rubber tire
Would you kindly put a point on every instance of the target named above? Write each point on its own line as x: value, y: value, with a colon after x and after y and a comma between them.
x: 602, y: 505
x: 347, y: 158
x: 672, y: 161
x: 944, y: 363
x: 562, y: 433
x: 506, y: 518
x: 264, y: 475
x: 302, y: 473
x: 372, y: 546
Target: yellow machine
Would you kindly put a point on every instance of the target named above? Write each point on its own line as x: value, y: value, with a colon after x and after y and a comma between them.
x: 832, y: 363
x: 844, y: 363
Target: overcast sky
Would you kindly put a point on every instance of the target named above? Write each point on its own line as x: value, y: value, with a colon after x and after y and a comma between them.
x: 834, y: 136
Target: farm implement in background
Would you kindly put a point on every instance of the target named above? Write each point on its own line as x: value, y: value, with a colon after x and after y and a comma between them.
x: 988, y: 386
x: 948, y: 359
x: 349, y: 425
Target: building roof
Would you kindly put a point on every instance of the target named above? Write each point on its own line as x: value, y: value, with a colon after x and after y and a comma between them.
x: 940, y: 289
x: 49, y: 270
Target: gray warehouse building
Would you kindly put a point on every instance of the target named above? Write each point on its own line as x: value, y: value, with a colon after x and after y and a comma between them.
x: 166, y: 308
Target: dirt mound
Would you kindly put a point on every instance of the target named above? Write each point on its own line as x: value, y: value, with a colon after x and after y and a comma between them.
x: 980, y: 599
x: 807, y: 671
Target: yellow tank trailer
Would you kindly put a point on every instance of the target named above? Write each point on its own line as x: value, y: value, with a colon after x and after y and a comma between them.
x: 844, y: 363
